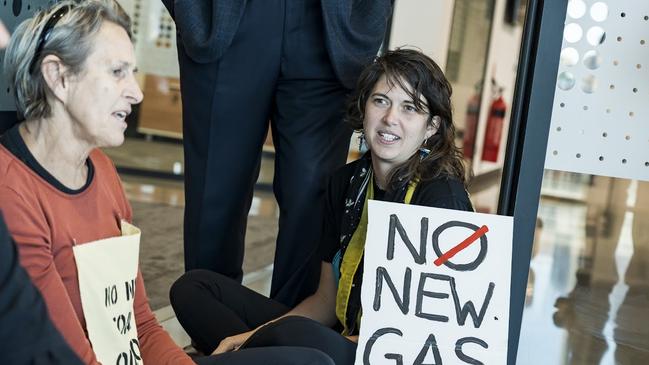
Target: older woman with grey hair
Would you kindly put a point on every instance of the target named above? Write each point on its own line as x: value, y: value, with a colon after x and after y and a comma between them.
x: 72, y: 71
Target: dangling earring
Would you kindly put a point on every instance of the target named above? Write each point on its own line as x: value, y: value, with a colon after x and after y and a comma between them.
x: 362, y: 146
x: 423, y: 151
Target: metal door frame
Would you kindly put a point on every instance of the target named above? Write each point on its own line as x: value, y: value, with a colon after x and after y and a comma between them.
x: 520, y: 188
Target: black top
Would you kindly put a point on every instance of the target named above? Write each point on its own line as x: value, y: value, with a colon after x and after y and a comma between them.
x: 446, y: 193
x: 13, y: 141
x: 27, y: 336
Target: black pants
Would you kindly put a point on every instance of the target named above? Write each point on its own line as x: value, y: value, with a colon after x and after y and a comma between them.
x: 276, y: 69
x: 211, y: 307
x: 269, y: 356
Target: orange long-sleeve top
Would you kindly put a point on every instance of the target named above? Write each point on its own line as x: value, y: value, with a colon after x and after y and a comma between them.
x: 46, y: 222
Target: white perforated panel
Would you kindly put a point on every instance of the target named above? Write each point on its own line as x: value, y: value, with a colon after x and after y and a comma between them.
x: 12, y: 13
x: 600, y: 116
x: 154, y: 36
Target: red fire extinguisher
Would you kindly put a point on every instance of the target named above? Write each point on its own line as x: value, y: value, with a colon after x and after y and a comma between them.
x: 471, y: 123
x: 494, y: 131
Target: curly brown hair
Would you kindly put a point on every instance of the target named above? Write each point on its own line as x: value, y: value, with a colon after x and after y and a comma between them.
x: 419, y: 76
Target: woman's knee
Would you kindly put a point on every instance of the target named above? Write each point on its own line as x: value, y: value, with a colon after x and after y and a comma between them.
x: 191, y: 284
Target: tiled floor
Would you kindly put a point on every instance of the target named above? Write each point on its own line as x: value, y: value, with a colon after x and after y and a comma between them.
x: 167, y: 157
x: 588, y: 292
x: 158, y: 211
x: 164, y: 157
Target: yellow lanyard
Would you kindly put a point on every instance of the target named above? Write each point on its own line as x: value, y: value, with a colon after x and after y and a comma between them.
x: 354, y: 254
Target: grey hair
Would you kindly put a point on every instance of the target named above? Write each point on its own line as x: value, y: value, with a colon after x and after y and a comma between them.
x: 71, y: 40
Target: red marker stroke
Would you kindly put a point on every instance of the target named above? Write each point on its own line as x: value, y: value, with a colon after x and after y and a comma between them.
x: 461, y: 246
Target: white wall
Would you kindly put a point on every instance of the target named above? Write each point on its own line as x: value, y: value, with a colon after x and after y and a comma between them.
x: 425, y: 24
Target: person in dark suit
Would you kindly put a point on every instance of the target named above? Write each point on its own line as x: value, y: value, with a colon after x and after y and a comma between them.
x: 243, y: 63
x: 27, y: 336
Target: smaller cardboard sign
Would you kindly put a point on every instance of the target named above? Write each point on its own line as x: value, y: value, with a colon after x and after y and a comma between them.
x: 107, y: 271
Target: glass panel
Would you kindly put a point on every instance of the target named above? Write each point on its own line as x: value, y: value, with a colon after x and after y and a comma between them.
x: 588, y: 291
x: 465, y: 67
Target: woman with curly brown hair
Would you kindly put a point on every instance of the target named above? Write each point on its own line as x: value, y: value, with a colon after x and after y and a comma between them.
x: 402, y: 105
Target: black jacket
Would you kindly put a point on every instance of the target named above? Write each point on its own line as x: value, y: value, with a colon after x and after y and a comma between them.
x: 27, y: 336
x: 354, y: 30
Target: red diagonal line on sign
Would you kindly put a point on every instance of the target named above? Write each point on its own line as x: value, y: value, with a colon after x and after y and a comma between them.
x: 461, y: 246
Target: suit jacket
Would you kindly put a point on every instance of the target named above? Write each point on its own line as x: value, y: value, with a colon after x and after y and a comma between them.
x: 354, y: 30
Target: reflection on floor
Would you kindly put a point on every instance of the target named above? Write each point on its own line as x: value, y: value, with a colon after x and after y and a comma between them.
x: 158, y: 210
x: 142, y: 154
x: 167, y: 158
x: 588, y: 292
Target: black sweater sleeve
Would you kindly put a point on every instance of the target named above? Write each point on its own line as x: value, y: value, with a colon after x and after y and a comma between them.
x: 445, y: 193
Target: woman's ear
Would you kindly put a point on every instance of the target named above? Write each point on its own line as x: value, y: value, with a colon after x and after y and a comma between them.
x: 433, y: 127
x: 55, y: 76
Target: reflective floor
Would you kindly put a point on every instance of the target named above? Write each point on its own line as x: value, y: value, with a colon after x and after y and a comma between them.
x: 158, y: 207
x: 588, y: 291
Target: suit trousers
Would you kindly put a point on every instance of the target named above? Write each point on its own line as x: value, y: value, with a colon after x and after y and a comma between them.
x: 211, y: 307
x: 277, y: 69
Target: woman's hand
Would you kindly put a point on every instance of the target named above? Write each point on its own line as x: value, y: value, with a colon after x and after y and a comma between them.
x: 232, y: 343
x: 353, y: 339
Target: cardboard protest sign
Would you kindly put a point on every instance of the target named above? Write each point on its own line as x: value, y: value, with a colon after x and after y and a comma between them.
x: 107, y: 271
x: 436, y: 285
